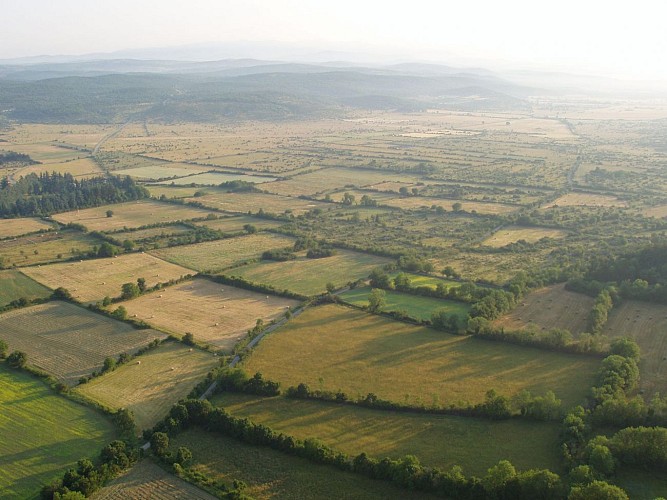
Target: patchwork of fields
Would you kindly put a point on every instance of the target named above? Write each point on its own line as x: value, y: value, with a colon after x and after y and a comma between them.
x: 43, y: 434
x: 215, y: 314
x: 92, y: 280
x: 149, y: 386
x: 336, y: 348
x: 68, y: 341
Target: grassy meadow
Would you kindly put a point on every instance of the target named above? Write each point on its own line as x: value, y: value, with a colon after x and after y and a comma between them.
x: 15, y: 285
x: 417, y: 307
x: 336, y: 348
x: 310, y: 276
x: 43, y: 434
x: 437, y: 440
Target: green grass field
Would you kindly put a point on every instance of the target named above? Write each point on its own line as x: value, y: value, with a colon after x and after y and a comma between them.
x: 15, y: 285
x: 415, y: 306
x: 641, y: 484
x: 236, y: 223
x: 334, y: 347
x: 437, y: 440
x: 429, y: 281
x: 43, y: 434
x: 149, y: 385
x: 310, y: 276
x: 271, y: 474
x: 220, y: 254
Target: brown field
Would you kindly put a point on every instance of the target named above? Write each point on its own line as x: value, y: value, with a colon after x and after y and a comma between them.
x: 253, y: 202
x: 92, y: 280
x: 47, y: 153
x: 646, y: 323
x: 412, y: 202
x: 45, y: 247
x: 130, y: 214
x: 234, y: 224
x: 149, y: 385
x: 68, y: 341
x: 659, y: 211
x: 327, y: 179
x: 10, y: 228
x: 587, y: 200
x: 147, y: 480
x: 79, y: 135
x: 216, y: 314
x: 512, y: 234
x: 550, y: 307
x: 162, y: 170
x: 157, y: 190
x: 151, y: 232
x: 221, y: 254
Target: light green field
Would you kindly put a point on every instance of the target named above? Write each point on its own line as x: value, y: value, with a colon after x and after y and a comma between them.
x: 437, y: 440
x: 158, y: 190
x: 415, y: 306
x: 336, y: 348
x: 15, y: 285
x: 220, y: 254
x: 270, y: 474
x: 310, y: 276
x: 217, y: 178
x: 234, y: 224
x: 43, y: 434
x: 130, y: 214
x: 429, y: 281
x: 641, y: 484
x: 45, y: 247
x: 150, y: 384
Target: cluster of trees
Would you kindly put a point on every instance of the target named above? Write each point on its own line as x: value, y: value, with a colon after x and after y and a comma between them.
x: 241, y: 282
x: 14, y: 157
x: 600, y: 311
x: 236, y: 380
x: 239, y: 186
x: 501, y: 480
x: 89, y: 477
x: 279, y: 254
x: 44, y: 194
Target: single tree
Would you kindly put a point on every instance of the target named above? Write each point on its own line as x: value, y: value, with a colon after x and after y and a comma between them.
x: 109, y: 213
x: 129, y: 291
x: 377, y: 300
x: 17, y: 359
x: 159, y: 443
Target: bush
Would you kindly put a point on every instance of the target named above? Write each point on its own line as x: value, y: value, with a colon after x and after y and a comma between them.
x: 17, y: 359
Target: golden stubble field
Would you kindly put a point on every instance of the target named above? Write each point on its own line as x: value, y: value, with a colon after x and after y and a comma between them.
x: 219, y: 315
x: 512, y: 234
x: 550, y: 307
x: 92, y: 280
x: 68, y: 341
x: 588, y: 200
x: 253, y: 202
x: 646, y: 323
x: 151, y: 383
x: 10, y: 228
x: 130, y: 214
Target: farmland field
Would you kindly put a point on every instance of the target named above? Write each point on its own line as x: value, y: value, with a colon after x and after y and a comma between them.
x: 216, y: 314
x: 310, y: 276
x: 92, y: 280
x: 253, y: 202
x: 417, y: 280
x: 588, y: 200
x: 512, y: 234
x: 148, y: 480
x: 217, y: 178
x: 45, y: 247
x: 130, y: 214
x: 158, y: 190
x: 550, y: 307
x: 220, y: 254
x: 437, y: 440
x: 43, y: 434
x: 415, y: 306
x: 646, y: 323
x: 10, y: 228
x: 79, y: 168
x: 151, y: 232
x: 149, y: 385
x: 236, y: 223
x: 272, y: 474
x: 334, y: 347
x: 15, y: 285
x: 412, y: 202
x: 68, y: 341
x: 161, y: 171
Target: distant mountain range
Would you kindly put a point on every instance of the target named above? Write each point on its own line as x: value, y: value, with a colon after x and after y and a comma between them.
x: 104, y: 89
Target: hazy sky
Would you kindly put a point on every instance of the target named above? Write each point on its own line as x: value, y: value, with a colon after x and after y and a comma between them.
x: 625, y: 39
